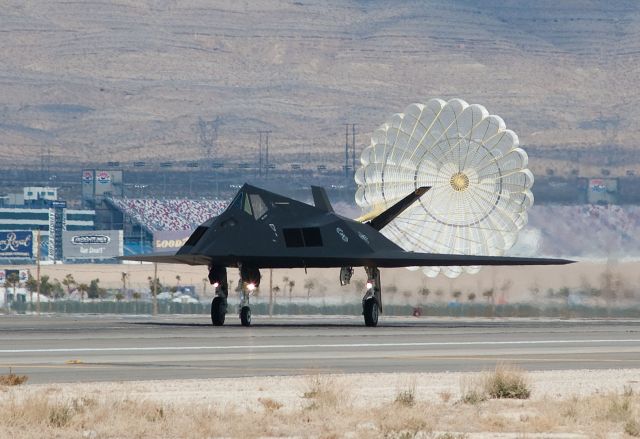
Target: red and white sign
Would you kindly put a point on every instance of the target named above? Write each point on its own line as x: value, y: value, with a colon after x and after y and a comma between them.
x: 87, y: 177
x: 103, y: 177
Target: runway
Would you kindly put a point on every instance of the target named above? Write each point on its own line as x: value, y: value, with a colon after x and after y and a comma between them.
x: 57, y: 348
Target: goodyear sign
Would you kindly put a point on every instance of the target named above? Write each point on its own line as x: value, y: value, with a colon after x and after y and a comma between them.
x: 17, y: 244
x: 170, y: 240
x: 91, y: 244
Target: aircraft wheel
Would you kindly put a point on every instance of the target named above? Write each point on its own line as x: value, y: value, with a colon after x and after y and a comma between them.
x: 245, y: 316
x: 218, y: 311
x: 370, y: 312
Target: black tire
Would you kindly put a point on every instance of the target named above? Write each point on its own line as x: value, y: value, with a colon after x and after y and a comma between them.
x: 370, y: 312
x: 245, y: 316
x: 218, y: 311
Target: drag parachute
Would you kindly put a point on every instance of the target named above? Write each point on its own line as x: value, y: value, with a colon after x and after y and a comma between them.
x: 480, y: 184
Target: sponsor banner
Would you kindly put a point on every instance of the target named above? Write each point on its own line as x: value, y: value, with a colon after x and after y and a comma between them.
x: 87, y: 176
x: 602, y: 190
x: 170, y: 240
x: 17, y: 244
x: 603, y: 185
x: 597, y: 185
x: 91, y: 244
x: 103, y: 177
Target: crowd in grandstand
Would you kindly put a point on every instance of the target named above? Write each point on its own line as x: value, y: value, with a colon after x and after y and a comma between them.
x: 587, y: 230
x: 161, y: 215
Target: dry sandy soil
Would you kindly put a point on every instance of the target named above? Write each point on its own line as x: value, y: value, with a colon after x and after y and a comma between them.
x: 562, y: 404
x: 128, y: 80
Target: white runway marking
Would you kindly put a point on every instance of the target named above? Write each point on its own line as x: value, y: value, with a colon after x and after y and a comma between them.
x: 333, y: 345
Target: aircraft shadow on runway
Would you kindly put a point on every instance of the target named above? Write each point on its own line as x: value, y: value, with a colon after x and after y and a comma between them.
x: 356, y: 324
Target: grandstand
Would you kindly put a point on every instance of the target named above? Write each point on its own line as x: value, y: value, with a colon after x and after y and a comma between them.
x: 169, y: 215
x: 587, y: 230
x: 146, y: 221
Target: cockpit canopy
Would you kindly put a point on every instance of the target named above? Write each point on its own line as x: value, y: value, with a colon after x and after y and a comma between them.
x: 253, y: 204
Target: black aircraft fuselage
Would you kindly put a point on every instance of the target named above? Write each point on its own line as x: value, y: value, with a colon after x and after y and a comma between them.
x: 261, y: 229
x: 266, y: 230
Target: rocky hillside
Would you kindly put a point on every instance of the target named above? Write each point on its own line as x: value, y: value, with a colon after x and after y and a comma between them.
x: 97, y: 80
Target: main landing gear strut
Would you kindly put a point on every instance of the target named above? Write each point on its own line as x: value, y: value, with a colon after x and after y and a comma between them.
x: 372, y: 300
x: 249, y: 281
x: 218, y: 278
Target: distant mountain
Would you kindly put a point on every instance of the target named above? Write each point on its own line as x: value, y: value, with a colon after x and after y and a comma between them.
x: 97, y: 81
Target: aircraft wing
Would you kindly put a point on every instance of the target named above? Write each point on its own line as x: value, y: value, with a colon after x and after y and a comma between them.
x: 377, y: 259
x: 408, y: 259
x: 168, y: 258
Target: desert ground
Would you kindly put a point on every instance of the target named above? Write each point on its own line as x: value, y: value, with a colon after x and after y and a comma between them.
x: 130, y: 80
x: 561, y: 404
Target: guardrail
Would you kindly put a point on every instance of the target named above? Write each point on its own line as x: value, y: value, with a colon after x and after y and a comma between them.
x: 432, y: 310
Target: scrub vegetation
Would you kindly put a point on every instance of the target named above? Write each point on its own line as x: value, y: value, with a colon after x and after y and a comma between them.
x: 11, y: 379
x: 326, y: 406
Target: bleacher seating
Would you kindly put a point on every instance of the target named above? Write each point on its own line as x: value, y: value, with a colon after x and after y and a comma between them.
x: 587, y: 230
x: 161, y: 215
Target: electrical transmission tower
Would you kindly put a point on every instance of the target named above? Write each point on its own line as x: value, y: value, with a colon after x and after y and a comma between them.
x: 208, y: 135
x: 346, y: 149
x: 263, y: 145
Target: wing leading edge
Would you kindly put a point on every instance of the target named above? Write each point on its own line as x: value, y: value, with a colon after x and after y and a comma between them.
x: 388, y: 259
x: 168, y: 258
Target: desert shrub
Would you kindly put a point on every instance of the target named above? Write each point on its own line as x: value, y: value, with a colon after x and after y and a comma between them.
x: 507, y: 382
x: 619, y: 408
x: 323, y: 391
x: 406, y: 398
x: 60, y: 414
x: 11, y: 379
x: 632, y: 428
x: 269, y: 404
x: 406, y: 395
x: 472, y: 391
x: 473, y: 396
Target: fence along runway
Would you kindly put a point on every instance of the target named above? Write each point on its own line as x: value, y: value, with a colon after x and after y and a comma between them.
x: 54, y: 348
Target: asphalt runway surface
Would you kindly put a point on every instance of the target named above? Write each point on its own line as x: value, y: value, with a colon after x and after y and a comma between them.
x: 64, y: 348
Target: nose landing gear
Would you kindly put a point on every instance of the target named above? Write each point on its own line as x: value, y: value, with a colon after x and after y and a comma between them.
x: 245, y: 316
x: 250, y: 279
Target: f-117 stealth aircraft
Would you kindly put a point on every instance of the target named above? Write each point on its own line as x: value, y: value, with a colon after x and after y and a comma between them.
x: 261, y: 229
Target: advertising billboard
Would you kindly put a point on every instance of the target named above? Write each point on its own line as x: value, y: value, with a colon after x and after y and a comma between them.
x: 101, y: 182
x: 170, y: 240
x: 602, y: 190
x: 87, y: 184
x: 18, y: 244
x: 108, y: 182
x: 91, y: 244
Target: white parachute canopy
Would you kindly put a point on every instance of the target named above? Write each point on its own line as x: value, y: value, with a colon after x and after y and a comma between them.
x: 480, y: 184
